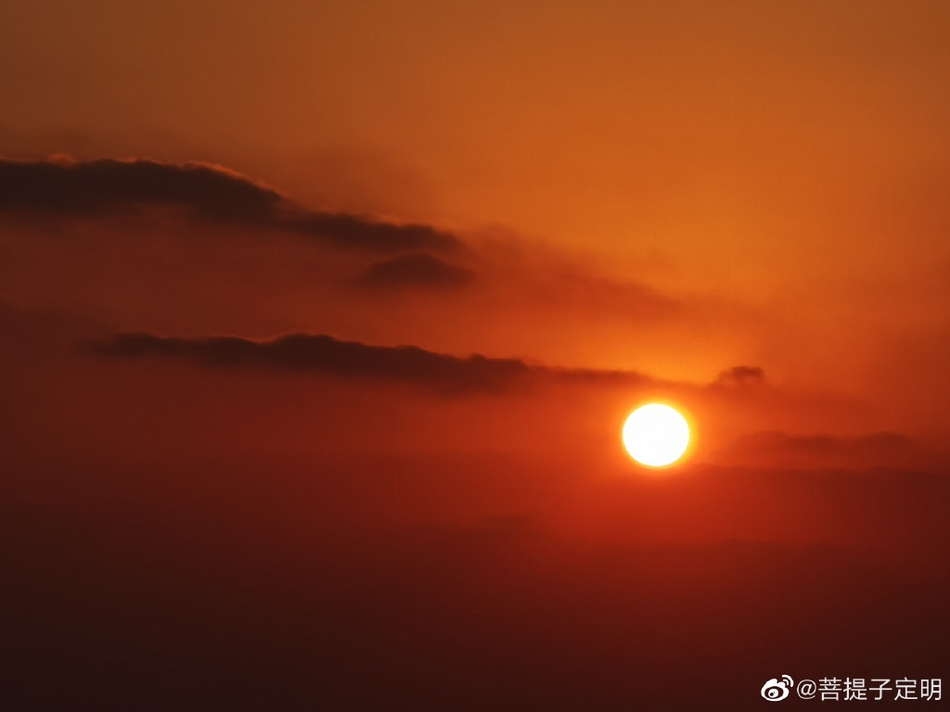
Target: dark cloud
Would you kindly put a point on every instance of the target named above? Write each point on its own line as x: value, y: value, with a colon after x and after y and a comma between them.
x: 324, y: 354
x: 419, y: 269
x: 741, y: 376
x: 91, y: 189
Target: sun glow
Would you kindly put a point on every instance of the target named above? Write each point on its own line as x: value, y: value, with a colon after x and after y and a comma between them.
x: 656, y: 435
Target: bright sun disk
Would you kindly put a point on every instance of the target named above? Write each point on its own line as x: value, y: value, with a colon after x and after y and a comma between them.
x: 656, y: 435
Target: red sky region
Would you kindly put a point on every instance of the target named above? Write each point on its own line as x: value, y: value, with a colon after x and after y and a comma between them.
x: 249, y: 461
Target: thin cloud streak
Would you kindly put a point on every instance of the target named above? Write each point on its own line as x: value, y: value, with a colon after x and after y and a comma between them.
x: 324, y: 354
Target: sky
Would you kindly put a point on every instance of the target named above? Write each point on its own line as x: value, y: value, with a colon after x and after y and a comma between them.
x: 320, y: 322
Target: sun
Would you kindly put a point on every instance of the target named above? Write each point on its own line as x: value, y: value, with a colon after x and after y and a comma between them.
x: 656, y: 435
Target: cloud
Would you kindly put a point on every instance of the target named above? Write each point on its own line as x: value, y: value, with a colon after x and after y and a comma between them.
x: 740, y: 376
x: 419, y: 269
x: 324, y: 354
x: 443, y: 373
x: 100, y: 188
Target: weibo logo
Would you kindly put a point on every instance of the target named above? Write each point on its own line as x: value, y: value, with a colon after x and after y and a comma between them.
x: 775, y: 691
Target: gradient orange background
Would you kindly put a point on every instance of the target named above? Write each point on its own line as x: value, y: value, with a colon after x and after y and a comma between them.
x: 737, y: 207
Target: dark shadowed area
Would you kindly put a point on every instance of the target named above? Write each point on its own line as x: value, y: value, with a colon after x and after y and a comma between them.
x: 221, y: 524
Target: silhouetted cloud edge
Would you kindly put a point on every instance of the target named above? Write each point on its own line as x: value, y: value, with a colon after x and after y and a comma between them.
x: 63, y: 187
x: 320, y: 353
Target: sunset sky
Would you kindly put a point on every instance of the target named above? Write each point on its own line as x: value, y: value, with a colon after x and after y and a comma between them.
x: 319, y: 322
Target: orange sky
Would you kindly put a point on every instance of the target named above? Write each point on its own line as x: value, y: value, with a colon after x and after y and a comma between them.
x: 783, y: 165
x: 319, y: 322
